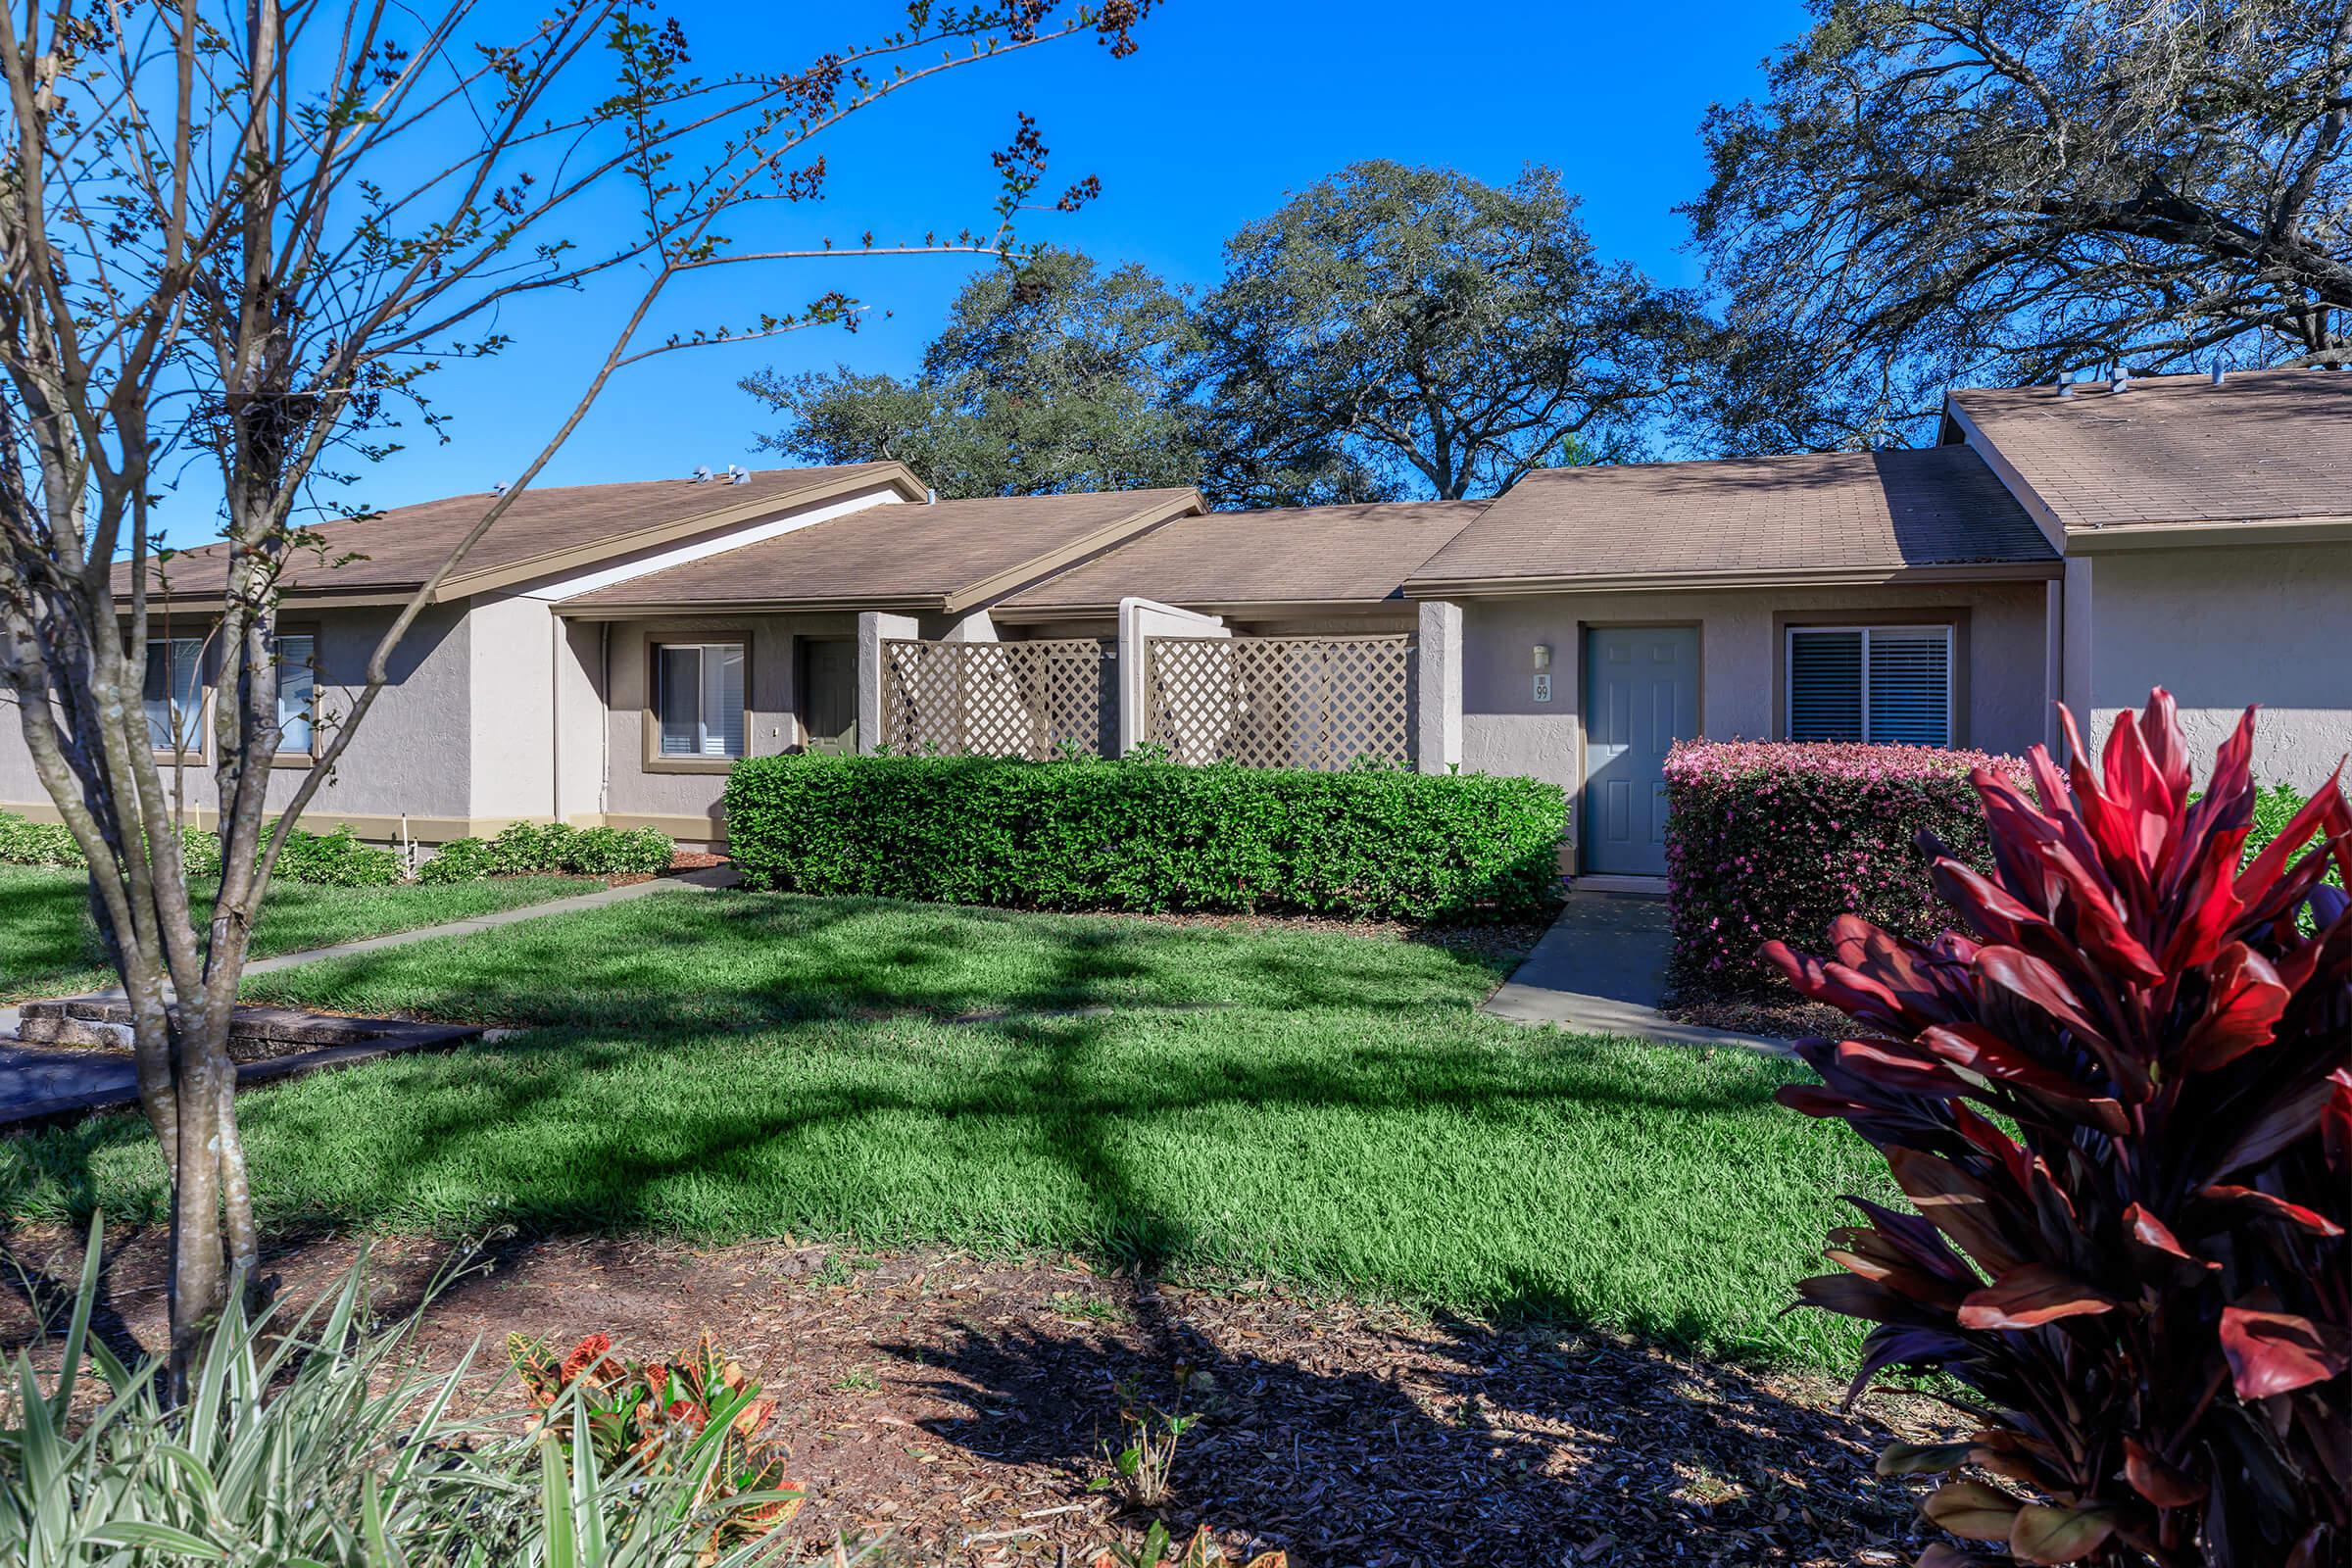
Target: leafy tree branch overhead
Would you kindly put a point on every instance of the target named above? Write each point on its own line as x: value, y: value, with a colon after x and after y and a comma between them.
x: 1993, y: 192
x: 247, y: 237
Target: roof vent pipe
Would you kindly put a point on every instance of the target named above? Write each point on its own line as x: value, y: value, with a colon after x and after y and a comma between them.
x: 2218, y: 372
x: 930, y: 497
x: 2066, y: 386
x: 2122, y: 380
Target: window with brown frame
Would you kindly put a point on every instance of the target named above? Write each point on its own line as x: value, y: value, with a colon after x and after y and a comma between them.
x: 698, y: 699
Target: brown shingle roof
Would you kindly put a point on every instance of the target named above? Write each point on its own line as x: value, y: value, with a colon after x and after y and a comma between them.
x: 561, y: 527
x: 947, y: 556
x: 1325, y: 555
x: 1852, y: 513
x: 2263, y: 445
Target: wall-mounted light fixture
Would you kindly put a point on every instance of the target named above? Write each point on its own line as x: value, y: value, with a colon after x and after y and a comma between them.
x: 1543, y: 655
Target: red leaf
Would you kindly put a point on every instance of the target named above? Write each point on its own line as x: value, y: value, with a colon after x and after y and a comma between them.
x: 1886, y: 1064
x: 2152, y: 1233
x: 2248, y: 999
x: 1957, y: 1203
x: 2167, y: 754
x: 2163, y: 1484
x: 2029, y: 1296
x: 2025, y: 976
x: 2325, y: 808
x: 2276, y: 1353
x: 2277, y: 1208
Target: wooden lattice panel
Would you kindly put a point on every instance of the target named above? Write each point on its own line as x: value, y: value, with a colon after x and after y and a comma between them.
x: 1033, y: 699
x: 1280, y: 701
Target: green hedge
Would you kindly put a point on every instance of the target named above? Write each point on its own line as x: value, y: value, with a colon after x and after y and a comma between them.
x: 1085, y: 834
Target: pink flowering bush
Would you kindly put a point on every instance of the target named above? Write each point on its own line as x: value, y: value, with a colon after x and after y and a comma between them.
x: 1773, y: 840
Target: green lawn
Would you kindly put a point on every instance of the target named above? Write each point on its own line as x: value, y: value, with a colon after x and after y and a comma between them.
x: 49, y: 947
x: 1323, y: 1109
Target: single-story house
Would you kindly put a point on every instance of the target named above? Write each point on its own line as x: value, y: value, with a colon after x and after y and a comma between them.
x: 609, y: 650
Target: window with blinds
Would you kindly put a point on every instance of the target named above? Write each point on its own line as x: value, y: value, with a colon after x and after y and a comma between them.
x: 296, y: 689
x: 173, y: 695
x: 1889, y: 685
x: 700, y: 699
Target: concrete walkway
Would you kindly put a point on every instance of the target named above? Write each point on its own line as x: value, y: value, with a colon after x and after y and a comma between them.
x: 1600, y: 969
x: 37, y: 1081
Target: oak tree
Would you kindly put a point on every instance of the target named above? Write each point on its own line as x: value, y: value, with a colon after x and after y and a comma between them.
x: 1993, y: 192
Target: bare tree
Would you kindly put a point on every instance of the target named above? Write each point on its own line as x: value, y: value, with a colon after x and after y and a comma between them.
x: 2001, y: 191
x: 247, y: 231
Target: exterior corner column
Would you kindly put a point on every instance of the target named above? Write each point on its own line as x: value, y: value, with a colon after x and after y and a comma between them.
x: 2076, y: 688
x: 1438, y: 687
x: 1139, y: 621
x: 874, y: 628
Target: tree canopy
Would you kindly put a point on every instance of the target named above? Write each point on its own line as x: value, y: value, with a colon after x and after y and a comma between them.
x: 1051, y: 374
x: 1390, y: 331
x: 1415, y: 331
x: 1940, y: 192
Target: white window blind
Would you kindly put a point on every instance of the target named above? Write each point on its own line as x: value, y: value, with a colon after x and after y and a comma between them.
x: 1889, y: 685
x: 174, y: 694
x: 1910, y: 692
x: 700, y: 698
x: 296, y: 687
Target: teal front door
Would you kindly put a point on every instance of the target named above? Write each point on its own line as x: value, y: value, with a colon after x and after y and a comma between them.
x: 1640, y: 697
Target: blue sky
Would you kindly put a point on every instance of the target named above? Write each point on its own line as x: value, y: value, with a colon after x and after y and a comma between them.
x: 1227, y: 106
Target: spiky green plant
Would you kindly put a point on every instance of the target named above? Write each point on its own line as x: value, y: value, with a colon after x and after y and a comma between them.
x: 322, y: 1440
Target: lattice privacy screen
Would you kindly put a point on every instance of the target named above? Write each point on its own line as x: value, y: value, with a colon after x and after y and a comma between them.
x: 998, y: 699
x: 1280, y: 701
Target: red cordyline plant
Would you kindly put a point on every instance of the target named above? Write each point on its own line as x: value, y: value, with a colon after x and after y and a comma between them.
x: 2120, y: 1103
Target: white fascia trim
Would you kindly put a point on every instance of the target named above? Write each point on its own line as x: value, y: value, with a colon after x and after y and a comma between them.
x: 735, y: 539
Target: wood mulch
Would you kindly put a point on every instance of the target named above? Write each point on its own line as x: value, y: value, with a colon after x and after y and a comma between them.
x: 1785, y: 1019
x: 965, y: 1407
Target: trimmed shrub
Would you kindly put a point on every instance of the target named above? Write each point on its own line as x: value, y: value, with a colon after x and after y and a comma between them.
x: 336, y: 860
x: 458, y: 861
x: 1087, y: 834
x: 611, y: 852
x: 530, y: 849
x: 2120, y: 1100
x: 1770, y: 841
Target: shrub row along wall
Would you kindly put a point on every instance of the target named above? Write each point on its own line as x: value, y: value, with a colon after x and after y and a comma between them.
x: 1086, y: 834
x: 1770, y: 840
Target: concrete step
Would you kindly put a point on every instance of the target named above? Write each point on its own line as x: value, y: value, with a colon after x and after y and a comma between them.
x: 103, y: 1023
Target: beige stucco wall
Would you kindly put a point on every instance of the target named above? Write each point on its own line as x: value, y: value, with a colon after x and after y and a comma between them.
x: 2001, y: 672
x: 2221, y: 626
x: 411, y: 754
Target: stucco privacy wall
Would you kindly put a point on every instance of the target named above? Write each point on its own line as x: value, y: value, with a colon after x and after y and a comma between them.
x: 2223, y: 625
x: 1504, y: 730
x: 411, y: 755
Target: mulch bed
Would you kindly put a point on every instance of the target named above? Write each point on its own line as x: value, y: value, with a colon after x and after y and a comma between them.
x: 965, y: 1406
x: 1789, y: 1018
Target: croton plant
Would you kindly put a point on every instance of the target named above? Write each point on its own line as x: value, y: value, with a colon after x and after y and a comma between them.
x: 2119, y: 1103
x: 653, y: 1417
